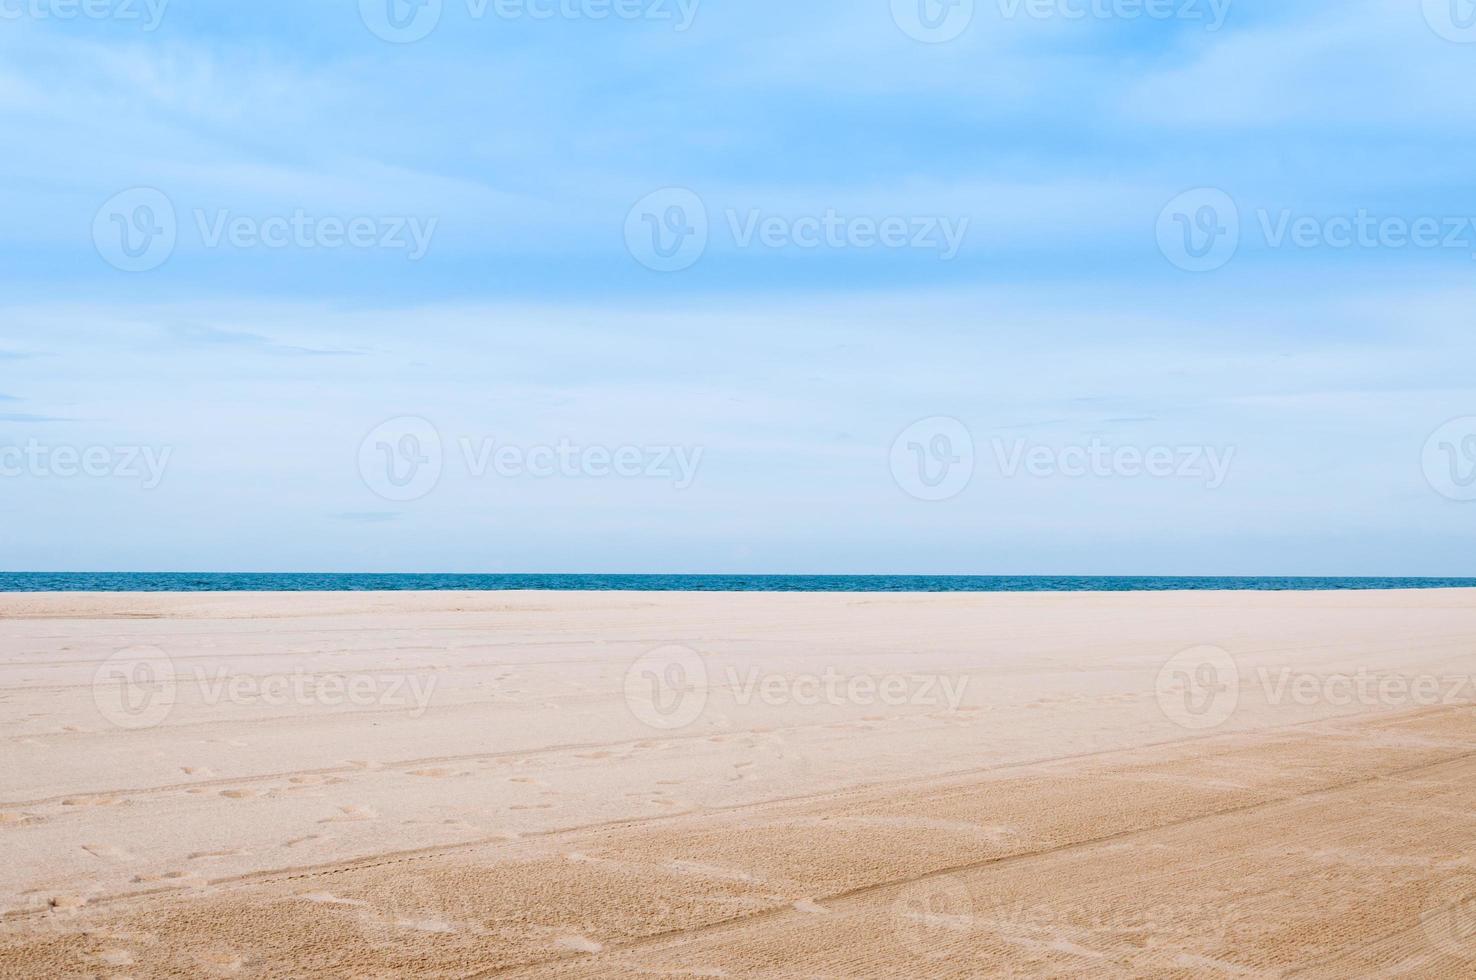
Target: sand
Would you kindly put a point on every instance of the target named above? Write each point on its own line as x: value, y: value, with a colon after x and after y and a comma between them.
x: 741, y: 785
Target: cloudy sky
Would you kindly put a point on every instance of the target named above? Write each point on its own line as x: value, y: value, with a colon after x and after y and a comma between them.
x: 1002, y: 286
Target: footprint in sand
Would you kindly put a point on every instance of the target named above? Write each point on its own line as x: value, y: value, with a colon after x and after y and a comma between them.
x: 352, y: 813
x: 201, y: 771
x: 17, y: 819
x: 239, y: 794
x: 91, y: 800
x: 116, y: 957
x: 63, y: 903
x: 107, y: 852
x: 306, y: 780
x: 166, y: 876
x: 436, y: 773
x: 209, y: 855
x: 531, y: 806
x: 300, y: 840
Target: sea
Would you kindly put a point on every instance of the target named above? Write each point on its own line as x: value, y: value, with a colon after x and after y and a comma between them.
x: 429, y: 582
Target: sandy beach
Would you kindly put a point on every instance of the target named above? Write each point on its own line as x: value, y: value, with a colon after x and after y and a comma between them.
x: 743, y: 785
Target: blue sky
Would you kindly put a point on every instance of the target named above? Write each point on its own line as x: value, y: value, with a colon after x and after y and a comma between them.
x: 1156, y: 250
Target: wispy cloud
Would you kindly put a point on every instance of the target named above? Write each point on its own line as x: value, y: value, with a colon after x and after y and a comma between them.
x: 201, y: 335
x: 26, y: 417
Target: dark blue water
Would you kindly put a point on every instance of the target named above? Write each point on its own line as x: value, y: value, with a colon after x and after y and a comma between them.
x: 324, y: 582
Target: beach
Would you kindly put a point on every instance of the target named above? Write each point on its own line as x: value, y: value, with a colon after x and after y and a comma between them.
x: 580, y: 784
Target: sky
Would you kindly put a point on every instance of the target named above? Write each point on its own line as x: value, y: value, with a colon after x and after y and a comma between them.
x: 851, y: 286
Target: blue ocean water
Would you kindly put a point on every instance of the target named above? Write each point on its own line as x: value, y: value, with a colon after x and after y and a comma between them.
x: 353, y: 582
